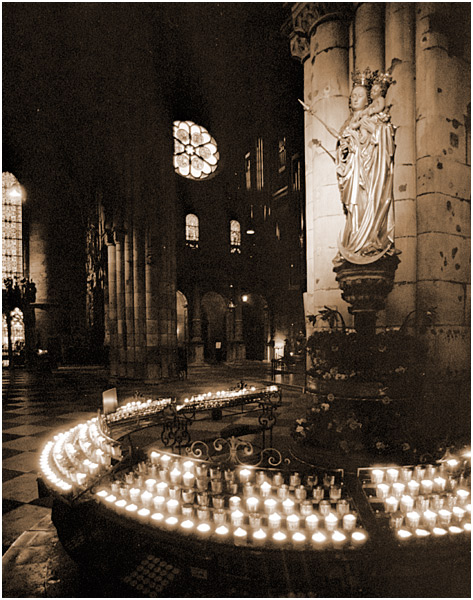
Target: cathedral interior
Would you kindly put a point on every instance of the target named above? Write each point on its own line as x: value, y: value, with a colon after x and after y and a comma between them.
x: 236, y: 299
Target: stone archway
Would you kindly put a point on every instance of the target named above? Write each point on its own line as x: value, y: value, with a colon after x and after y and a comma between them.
x: 214, y: 336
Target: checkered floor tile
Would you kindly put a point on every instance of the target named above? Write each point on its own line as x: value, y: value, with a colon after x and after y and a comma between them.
x: 36, y: 404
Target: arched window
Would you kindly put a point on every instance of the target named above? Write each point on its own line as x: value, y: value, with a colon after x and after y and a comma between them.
x: 17, y: 331
x: 192, y: 230
x: 195, y: 151
x: 235, y: 237
x: 12, y: 255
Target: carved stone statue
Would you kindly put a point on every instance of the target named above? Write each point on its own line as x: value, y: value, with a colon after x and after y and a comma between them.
x: 364, y: 161
x: 364, y: 164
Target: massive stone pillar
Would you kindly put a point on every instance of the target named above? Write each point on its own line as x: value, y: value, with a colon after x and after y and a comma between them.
x: 369, y: 36
x: 240, y: 347
x: 153, y: 358
x: 197, y: 345
x: 139, y: 303
x: 229, y: 328
x: 443, y: 188
x: 112, y: 304
x: 320, y: 39
x: 121, y: 321
x: 129, y: 301
x: 400, y: 54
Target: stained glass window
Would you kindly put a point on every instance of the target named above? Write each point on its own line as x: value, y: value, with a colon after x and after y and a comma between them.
x: 192, y: 230
x: 195, y: 151
x: 12, y: 255
x: 235, y: 237
x: 17, y: 330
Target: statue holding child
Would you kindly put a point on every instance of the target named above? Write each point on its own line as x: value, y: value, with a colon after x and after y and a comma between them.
x: 364, y: 160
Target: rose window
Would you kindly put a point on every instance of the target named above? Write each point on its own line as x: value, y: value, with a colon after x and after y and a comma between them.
x: 195, y: 151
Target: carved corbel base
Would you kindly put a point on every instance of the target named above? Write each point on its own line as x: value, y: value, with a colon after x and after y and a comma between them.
x: 365, y: 288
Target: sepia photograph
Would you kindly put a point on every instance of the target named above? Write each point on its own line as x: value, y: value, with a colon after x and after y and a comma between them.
x: 236, y: 300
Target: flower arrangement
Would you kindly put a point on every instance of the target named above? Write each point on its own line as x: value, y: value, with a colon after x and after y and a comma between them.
x: 361, y: 390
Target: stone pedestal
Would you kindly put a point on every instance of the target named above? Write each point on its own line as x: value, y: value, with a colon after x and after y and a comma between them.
x: 365, y: 288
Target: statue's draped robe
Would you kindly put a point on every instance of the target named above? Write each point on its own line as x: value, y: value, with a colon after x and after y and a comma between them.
x: 365, y: 179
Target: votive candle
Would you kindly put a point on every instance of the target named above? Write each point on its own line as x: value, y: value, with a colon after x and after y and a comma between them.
x: 412, y: 519
x: 391, y: 503
x: 349, y: 522
x: 406, y: 504
x: 274, y: 520
x: 377, y: 476
x: 426, y: 486
x: 293, y: 522
x: 236, y: 518
x: 234, y: 502
x: 397, y: 489
x: 265, y: 489
x: 331, y: 521
x: 338, y: 539
x: 252, y: 504
x: 413, y: 487
x: 270, y: 505
x: 312, y: 522
x: 150, y: 485
x: 288, y: 506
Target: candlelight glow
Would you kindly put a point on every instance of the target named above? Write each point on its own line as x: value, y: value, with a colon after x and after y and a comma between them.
x: 203, y: 527
x: 259, y: 534
x: 240, y: 533
x: 404, y: 534
x: 279, y: 536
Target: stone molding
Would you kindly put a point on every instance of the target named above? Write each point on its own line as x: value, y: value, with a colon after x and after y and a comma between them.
x: 304, y: 20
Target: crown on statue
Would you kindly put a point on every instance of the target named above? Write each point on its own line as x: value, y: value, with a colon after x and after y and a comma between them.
x: 364, y: 78
x: 383, y: 79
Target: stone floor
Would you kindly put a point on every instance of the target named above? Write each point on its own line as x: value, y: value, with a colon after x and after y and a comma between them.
x: 36, y: 404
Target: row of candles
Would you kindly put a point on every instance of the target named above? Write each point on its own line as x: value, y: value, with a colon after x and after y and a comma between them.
x: 223, y: 398
x: 205, y: 401
x: 425, y: 500
x: 74, y: 458
x: 138, y: 408
x: 258, y: 507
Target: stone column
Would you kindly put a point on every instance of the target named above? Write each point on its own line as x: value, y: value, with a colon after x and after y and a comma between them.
x: 268, y: 343
x: 197, y: 345
x: 240, y: 347
x: 121, y: 321
x: 230, y: 326
x: 369, y: 36
x: 326, y: 90
x: 112, y: 304
x: 443, y: 192
x: 129, y: 302
x: 153, y: 357
x: 139, y: 299
x: 400, y: 53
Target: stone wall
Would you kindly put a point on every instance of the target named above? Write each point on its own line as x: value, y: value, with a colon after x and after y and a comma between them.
x: 425, y: 48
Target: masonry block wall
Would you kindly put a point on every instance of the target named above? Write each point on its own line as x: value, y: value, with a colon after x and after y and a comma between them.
x: 426, y: 47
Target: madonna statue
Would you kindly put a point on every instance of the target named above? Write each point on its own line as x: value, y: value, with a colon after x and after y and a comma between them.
x: 364, y: 165
x: 364, y: 160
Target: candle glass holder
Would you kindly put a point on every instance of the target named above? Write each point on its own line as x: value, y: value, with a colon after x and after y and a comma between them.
x: 218, y: 501
x: 318, y: 493
x: 324, y: 507
x: 283, y: 492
